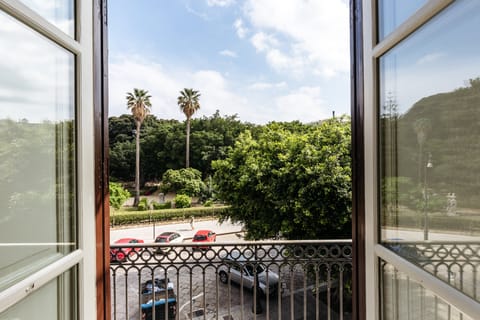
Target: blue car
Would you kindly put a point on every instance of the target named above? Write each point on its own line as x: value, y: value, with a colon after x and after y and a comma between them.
x: 156, y: 296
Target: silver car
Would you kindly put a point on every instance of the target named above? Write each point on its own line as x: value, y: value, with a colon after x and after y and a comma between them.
x: 242, y: 271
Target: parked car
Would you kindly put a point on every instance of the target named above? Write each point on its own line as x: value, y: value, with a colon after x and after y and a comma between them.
x: 168, y: 237
x: 241, y: 271
x: 121, y: 254
x: 407, y: 250
x: 204, y: 236
x: 154, y: 295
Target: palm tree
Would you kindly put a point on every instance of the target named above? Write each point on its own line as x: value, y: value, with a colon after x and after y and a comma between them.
x: 188, y: 103
x: 139, y: 103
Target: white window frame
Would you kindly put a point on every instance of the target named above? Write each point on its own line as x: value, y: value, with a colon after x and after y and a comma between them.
x: 373, y: 250
x: 84, y: 256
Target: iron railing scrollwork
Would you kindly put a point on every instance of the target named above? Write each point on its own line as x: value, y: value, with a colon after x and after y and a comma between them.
x: 259, y: 280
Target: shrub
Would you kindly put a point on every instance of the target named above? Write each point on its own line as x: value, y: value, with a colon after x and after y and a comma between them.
x: 160, y: 206
x: 183, y: 201
x: 118, y: 195
x: 208, y: 203
x: 143, y: 204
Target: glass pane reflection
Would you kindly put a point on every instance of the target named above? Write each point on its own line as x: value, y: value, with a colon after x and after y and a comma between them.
x: 392, y: 13
x: 404, y: 298
x: 37, y: 127
x: 58, y: 12
x: 53, y: 301
x: 429, y: 141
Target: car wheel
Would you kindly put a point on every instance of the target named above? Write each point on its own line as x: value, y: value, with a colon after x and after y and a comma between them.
x: 223, y: 276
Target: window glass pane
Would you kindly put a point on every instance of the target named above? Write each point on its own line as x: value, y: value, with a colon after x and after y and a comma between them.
x: 55, y: 300
x: 392, y: 13
x: 429, y: 145
x: 37, y: 151
x: 404, y: 298
x: 61, y: 13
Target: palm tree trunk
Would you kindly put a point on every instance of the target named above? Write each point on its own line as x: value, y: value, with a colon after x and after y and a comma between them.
x: 187, y: 152
x: 137, y: 166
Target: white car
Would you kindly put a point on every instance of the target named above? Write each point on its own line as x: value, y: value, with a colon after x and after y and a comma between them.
x: 241, y: 271
x: 168, y: 237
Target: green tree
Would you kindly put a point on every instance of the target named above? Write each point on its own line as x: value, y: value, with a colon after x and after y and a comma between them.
x: 183, y: 201
x: 294, y: 184
x: 189, y: 104
x: 139, y: 104
x: 118, y: 195
x: 186, y: 181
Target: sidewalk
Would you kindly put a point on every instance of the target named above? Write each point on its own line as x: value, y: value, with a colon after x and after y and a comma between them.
x: 147, y: 232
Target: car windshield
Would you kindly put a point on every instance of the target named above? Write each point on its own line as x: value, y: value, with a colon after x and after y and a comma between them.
x: 200, y: 238
x: 161, y: 240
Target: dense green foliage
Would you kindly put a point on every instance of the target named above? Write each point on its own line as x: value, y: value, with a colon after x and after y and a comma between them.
x: 294, y: 182
x: 183, y: 201
x: 137, y: 217
x: 118, y: 195
x: 184, y: 181
x: 163, y: 144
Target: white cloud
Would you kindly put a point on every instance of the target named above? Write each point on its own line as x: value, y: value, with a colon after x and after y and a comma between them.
x: 228, y: 53
x: 217, y: 93
x: 240, y: 28
x: 201, y: 15
x: 315, y: 34
x: 432, y: 57
x: 220, y: 3
x: 305, y: 104
x: 164, y: 85
x: 267, y: 85
x: 263, y: 42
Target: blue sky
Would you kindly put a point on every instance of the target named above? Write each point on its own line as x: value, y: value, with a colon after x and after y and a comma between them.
x: 265, y: 60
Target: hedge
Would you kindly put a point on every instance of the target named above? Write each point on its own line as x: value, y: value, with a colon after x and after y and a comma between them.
x: 139, y: 217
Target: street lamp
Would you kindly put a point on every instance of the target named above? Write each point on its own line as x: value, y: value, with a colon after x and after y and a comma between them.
x: 425, y: 196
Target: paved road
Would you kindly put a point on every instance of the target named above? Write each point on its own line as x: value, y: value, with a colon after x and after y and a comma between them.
x: 417, y: 235
x: 148, y: 233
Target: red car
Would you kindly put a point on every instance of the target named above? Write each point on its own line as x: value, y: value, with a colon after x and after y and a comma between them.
x: 204, y: 236
x: 121, y: 254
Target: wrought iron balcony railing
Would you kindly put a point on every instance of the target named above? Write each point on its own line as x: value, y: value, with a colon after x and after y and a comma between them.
x: 226, y: 281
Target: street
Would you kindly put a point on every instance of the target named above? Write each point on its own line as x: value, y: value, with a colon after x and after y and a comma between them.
x: 194, y: 276
x: 149, y: 232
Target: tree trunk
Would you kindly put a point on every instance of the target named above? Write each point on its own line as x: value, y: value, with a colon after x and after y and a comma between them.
x: 137, y: 166
x: 187, y: 152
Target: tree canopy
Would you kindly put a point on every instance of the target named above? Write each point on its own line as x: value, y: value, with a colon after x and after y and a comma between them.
x: 187, y: 181
x: 163, y: 144
x: 293, y: 181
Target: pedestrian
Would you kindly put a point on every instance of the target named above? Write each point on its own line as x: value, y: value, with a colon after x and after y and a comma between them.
x: 192, y: 220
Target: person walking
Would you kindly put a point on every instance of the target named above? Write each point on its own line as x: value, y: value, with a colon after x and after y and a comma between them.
x: 192, y: 220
